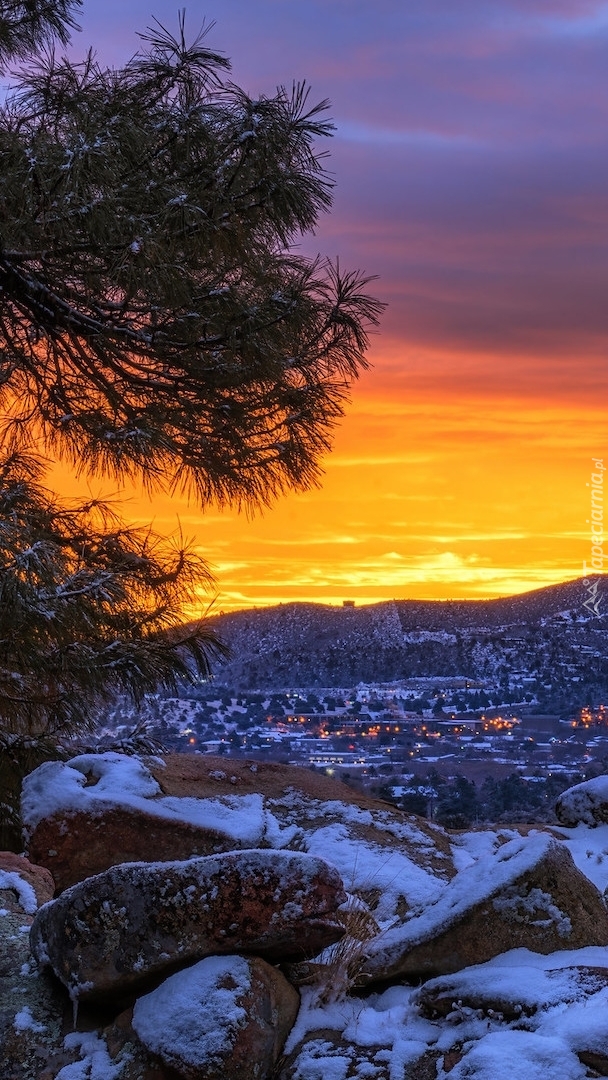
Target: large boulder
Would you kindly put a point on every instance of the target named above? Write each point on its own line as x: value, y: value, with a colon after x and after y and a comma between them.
x: 123, y: 930
x: 529, y: 894
x: 584, y: 804
x: 99, y: 810
x: 225, y: 1018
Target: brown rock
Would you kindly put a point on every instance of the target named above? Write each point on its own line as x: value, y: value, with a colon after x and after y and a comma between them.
x: 78, y: 845
x: 225, y: 1018
x: 134, y: 924
x: 138, y: 1063
x: 325, y: 1052
x: 528, y: 895
x: 99, y: 810
x: 203, y: 776
x: 37, y: 877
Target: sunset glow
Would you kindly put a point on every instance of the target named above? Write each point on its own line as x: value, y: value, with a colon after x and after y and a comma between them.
x: 471, y: 171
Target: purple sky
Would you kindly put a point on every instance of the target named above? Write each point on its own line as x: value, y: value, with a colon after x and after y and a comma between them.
x: 471, y: 156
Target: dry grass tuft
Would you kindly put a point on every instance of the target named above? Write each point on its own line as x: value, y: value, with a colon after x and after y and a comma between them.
x: 343, y: 963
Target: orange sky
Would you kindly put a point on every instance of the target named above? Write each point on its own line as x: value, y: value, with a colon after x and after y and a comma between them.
x: 471, y: 168
x: 427, y: 493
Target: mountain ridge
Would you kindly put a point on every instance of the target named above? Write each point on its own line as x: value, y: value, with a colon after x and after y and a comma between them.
x: 546, y: 632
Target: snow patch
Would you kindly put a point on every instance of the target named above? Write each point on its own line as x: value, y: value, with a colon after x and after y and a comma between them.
x: 9, y: 879
x: 195, y: 1015
x: 24, y: 1021
x: 471, y: 886
x: 95, y: 1063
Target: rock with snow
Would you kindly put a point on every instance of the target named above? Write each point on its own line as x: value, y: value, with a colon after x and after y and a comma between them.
x: 584, y: 804
x: 556, y: 1023
x: 523, y: 1054
x: 99, y: 810
x: 517, y: 984
x: 120, y: 931
x: 225, y: 1018
x: 528, y: 894
x: 23, y: 886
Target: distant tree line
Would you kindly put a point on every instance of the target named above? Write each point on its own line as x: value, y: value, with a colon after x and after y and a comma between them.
x: 460, y: 803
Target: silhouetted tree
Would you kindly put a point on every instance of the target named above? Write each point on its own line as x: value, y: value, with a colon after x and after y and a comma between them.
x: 88, y: 610
x: 154, y: 318
x: 26, y: 25
x: 155, y: 322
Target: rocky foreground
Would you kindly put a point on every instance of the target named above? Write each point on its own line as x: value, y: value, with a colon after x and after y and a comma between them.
x: 188, y: 918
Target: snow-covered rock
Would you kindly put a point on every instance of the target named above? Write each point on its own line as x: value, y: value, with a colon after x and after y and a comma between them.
x: 443, y: 902
x: 123, y: 930
x: 517, y: 984
x: 225, y: 1018
x: 528, y: 894
x: 98, y: 810
x: 585, y: 803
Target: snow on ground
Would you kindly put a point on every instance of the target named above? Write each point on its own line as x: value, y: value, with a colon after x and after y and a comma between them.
x: 589, y: 849
x: 523, y: 1054
x: 24, y: 1021
x: 385, y: 1033
x: 399, y: 868
x: 471, y: 847
x: 367, y: 866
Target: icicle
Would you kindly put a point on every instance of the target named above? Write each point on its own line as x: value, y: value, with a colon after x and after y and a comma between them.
x: 74, y: 997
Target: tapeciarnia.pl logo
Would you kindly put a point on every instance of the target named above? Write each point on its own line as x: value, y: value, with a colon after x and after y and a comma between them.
x: 596, y: 523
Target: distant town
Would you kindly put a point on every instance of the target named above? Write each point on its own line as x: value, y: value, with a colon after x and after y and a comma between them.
x: 443, y: 748
x: 464, y: 712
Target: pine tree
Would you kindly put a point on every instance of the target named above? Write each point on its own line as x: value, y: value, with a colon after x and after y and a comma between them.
x: 156, y: 323
x: 26, y: 25
x: 89, y: 610
x: 155, y: 319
